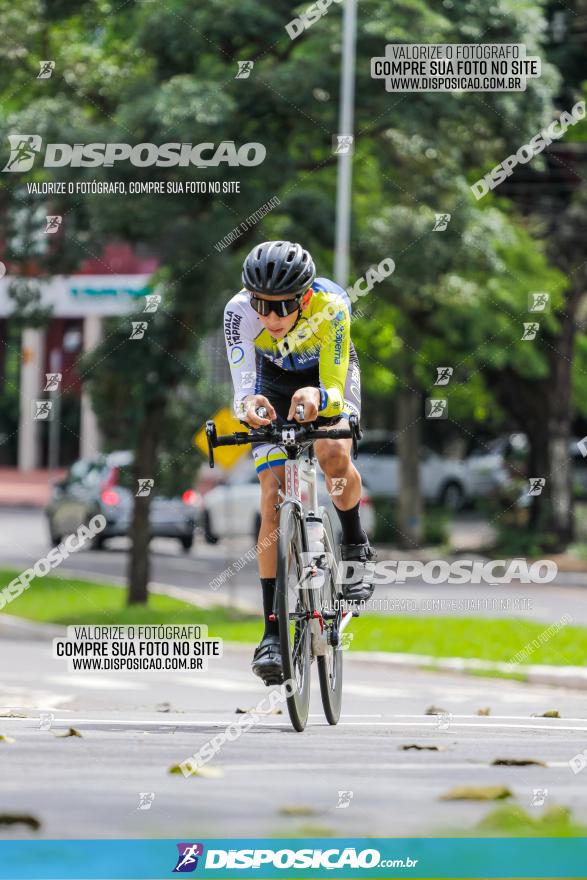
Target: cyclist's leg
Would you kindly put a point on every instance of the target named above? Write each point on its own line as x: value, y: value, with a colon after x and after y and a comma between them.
x: 344, y: 485
x: 270, y: 479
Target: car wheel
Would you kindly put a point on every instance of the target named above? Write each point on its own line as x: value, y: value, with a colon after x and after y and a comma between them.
x: 187, y: 542
x: 54, y: 538
x: 209, y: 535
x: 97, y: 543
x: 452, y: 496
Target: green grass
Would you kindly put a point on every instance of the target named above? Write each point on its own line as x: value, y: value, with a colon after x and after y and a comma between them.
x: 75, y: 602
x: 61, y: 601
x: 514, y: 821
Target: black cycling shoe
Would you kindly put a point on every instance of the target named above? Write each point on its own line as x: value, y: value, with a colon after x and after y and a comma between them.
x: 360, y: 588
x: 267, y: 661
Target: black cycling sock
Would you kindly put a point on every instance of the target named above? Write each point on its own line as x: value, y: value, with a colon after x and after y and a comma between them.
x: 268, y: 587
x: 352, y: 532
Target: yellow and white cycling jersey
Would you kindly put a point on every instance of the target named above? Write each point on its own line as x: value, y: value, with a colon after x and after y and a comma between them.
x: 319, y: 342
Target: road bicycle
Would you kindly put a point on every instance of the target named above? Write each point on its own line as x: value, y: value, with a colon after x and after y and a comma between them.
x: 309, y: 606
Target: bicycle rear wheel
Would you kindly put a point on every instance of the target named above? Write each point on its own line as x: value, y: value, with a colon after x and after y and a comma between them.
x: 293, y: 610
x: 330, y: 664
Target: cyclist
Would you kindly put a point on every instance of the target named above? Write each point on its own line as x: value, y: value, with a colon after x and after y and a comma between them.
x: 288, y: 343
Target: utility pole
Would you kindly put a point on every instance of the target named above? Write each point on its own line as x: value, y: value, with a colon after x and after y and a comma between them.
x: 345, y: 149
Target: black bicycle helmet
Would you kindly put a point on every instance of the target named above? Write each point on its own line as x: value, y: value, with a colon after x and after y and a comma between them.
x: 276, y: 268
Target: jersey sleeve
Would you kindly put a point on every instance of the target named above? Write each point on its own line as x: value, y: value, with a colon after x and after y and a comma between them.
x: 240, y: 350
x: 335, y: 335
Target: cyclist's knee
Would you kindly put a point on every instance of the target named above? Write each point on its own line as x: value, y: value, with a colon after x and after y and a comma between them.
x: 333, y: 457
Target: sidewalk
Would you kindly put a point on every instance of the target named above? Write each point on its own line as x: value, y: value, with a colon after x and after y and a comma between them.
x: 26, y: 488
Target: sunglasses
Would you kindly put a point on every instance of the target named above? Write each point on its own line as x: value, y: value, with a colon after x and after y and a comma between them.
x: 281, y: 307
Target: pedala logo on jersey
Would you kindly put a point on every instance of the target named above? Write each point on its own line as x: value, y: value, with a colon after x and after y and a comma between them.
x: 24, y: 149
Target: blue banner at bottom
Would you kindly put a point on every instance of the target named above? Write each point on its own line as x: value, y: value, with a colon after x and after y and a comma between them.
x: 364, y: 857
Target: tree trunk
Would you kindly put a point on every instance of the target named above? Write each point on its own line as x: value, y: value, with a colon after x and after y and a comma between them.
x: 408, y: 442
x: 560, y: 513
x: 145, y: 467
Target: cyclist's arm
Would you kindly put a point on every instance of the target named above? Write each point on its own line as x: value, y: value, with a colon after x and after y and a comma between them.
x: 335, y: 335
x: 240, y: 350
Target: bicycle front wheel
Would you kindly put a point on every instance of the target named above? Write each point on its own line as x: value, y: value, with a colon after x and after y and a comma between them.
x: 330, y: 663
x: 293, y: 611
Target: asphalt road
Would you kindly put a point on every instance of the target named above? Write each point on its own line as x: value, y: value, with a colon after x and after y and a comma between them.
x: 273, y: 781
x: 23, y: 540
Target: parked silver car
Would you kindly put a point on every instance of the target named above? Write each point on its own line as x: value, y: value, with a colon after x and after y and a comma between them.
x: 447, y: 481
x: 104, y: 485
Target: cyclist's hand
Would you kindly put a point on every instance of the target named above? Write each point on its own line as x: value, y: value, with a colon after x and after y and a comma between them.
x: 310, y: 400
x: 251, y: 404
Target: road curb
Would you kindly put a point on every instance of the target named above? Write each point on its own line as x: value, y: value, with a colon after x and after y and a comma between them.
x: 21, y: 628
x: 561, y: 676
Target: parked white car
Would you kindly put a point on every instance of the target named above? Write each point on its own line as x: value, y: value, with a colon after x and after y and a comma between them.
x: 446, y: 481
x: 233, y: 508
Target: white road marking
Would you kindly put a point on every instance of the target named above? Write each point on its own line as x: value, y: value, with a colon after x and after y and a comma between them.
x: 406, y: 725
x: 363, y: 766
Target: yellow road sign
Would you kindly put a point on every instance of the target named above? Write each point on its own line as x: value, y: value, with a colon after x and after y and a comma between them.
x: 226, y: 423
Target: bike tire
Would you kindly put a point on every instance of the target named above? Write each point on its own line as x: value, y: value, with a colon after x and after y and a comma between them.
x: 294, y: 634
x: 330, y: 664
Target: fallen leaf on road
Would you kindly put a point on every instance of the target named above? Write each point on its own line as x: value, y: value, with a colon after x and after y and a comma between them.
x: 298, y: 811
x: 477, y: 793
x: 517, y: 762
x: 434, y: 710
x: 486, y: 711
x: 6, y: 739
x: 163, y: 707
x: 69, y: 732
x: 418, y: 748
x: 203, y: 772
x: 19, y: 819
x: 552, y: 713
x: 258, y: 711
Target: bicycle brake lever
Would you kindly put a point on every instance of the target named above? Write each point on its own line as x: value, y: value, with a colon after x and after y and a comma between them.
x: 211, y: 437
